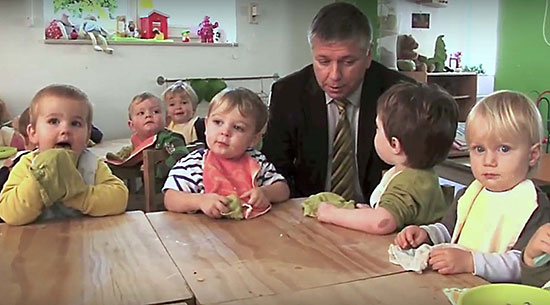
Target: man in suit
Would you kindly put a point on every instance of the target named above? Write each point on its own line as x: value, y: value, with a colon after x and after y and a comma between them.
x: 304, y: 115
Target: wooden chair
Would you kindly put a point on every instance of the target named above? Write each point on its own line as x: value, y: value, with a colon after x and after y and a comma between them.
x: 153, y: 200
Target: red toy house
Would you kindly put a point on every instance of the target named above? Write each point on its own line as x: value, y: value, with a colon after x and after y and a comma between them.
x: 157, y: 20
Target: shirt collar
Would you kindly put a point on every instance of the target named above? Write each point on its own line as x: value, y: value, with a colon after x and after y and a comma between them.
x: 354, y: 98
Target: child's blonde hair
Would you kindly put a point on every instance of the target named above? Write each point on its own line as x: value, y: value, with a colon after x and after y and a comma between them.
x: 140, y: 98
x: 60, y: 91
x: 508, y: 114
x: 248, y: 103
x: 182, y: 87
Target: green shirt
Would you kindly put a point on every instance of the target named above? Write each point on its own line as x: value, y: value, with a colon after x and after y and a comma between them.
x: 414, y: 197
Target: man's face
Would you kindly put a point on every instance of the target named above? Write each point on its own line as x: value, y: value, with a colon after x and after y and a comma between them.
x: 339, y: 66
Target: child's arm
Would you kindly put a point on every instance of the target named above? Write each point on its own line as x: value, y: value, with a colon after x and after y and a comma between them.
x: 174, y: 143
x: 109, y: 195
x: 213, y: 205
x: 20, y: 200
x: 366, y: 219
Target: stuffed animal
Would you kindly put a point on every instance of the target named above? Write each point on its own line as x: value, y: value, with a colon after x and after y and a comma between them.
x: 408, y: 59
x: 92, y: 29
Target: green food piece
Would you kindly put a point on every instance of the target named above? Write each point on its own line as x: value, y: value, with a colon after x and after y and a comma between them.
x: 311, y: 204
x: 235, y: 209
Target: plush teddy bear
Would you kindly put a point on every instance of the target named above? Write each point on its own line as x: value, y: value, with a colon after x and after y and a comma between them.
x: 408, y: 59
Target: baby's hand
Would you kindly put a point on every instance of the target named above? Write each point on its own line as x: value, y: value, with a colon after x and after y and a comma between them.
x: 411, y: 237
x: 538, y: 245
x: 451, y: 261
x: 324, y: 211
x: 258, y: 200
x: 213, y: 205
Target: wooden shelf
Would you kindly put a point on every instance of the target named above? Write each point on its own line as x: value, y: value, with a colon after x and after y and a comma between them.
x: 462, y: 86
x: 141, y: 43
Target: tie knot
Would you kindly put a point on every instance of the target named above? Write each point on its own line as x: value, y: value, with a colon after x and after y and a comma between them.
x: 341, y: 104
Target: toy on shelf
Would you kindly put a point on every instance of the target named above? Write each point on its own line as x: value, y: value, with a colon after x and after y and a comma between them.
x: 155, y: 19
x: 121, y: 26
x: 132, y: 31
x: 185, y: 36
x: 158, y: 34
x: 61, y: 28
x: 408, y: 59
x: 206, y: 30
x: 95, y: 32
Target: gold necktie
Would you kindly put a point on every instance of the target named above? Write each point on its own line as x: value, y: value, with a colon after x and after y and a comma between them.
x: 343, y: 161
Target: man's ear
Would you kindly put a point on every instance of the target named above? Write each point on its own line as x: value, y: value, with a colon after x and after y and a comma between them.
x: 534, y: 154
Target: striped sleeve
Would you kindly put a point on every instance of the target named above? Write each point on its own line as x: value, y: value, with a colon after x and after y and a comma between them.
x: 268, y: 174
x: 186, y: 174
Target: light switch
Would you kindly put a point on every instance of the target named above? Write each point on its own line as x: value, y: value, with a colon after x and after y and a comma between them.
x: 253, y: 13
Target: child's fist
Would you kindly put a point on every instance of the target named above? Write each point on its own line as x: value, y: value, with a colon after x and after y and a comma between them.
x: 411, y: 237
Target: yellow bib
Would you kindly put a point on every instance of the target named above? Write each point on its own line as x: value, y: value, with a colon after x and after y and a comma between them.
x: 491, y: 222
x: 187, y: 130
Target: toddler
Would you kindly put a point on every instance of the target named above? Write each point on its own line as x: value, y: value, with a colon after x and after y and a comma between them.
x: 147, y: 121
x: 416, y: 126
x: 493, y: 219
x: 205, y: 178
x: 181, y: 104
x: 61, y: 178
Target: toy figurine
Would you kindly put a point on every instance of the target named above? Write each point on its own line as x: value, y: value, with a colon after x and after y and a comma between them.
x: 158, y: 34
x: 132, y: 31
x: 206, y: 30
x: 185, y: 36
x: 95, y: 32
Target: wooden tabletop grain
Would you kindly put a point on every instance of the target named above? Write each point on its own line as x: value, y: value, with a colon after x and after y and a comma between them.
x: 103, y: 260
x: 277, y: 253
x: 403, y: 288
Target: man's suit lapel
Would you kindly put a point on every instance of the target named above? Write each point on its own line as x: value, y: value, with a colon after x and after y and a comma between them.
x: 315, y: 112
x: 372, y: 86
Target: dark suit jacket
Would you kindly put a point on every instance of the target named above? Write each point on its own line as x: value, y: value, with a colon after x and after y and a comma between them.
x: 296, y: 141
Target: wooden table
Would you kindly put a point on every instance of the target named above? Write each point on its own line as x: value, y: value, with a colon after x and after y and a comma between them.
x: 104, y: 260
x: 277, y: 253
x: 402, y: 288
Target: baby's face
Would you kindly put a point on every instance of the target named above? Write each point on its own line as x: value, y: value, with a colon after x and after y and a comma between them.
x: 179, y: 107
x: 229, y: 133
x: 500, y: 164
x: 147, y: 118
x: 60, y: 123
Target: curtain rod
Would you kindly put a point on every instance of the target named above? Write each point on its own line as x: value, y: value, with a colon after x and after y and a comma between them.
x: 161, y: 80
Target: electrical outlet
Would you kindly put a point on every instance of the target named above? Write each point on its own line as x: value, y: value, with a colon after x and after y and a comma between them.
x: 253, y: 12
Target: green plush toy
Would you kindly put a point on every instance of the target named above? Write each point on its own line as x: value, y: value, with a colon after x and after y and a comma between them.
x: 440, y: 55
x: 207, y: 88
x: 235, y: 209
x: 120, y: 155
x: 311, y: 204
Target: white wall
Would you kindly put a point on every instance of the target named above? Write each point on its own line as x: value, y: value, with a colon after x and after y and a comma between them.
x: 469, y: 26
x: 277, y: 44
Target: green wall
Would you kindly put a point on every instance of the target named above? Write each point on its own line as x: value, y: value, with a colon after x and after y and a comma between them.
x: 523, y: 59
x: 370, y: 8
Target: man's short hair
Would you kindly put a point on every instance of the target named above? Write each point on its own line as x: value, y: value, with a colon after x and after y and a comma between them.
x: 60, y: 91
x: 248, y: 103
x: 341, y: 21
x: 140, y: 98
x: 423, y: 117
